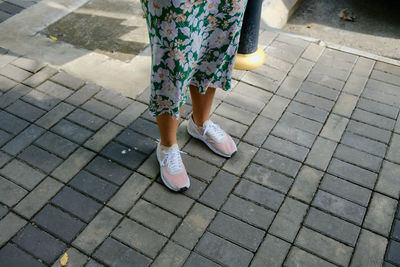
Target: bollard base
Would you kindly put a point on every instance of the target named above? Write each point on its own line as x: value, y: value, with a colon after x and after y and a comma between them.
x: 249, y: 61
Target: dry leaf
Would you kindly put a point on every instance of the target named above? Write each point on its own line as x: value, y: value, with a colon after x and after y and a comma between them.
x: 346, y: 15
x: 309, y: 26
x: 64, y: 259
x: 53, y: 38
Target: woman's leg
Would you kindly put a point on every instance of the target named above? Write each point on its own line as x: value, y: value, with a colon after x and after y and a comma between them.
x: 168, y: 128
x: 201, y: 104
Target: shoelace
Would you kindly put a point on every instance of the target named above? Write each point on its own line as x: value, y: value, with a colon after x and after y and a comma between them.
x: 173, y: 160
x: 214, y: 130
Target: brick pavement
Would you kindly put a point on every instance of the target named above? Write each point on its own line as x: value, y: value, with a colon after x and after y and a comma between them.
x: 315, y: 181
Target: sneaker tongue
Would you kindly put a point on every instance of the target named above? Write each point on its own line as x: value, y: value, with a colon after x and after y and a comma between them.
x: 206, y: 123
x: 169, y: 148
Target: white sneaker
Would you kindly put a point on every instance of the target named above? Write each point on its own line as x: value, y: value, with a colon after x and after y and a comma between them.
x: 172, y: 170
x: 214, y: 137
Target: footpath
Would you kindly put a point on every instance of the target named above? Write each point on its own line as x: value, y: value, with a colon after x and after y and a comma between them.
x: 315, y: 182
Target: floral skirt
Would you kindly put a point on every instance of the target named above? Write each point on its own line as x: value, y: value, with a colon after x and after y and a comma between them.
x: 193, y: 42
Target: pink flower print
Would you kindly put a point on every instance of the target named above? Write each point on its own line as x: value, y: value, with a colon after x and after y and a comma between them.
x: 160, y: 75
x: 212, y: 6
x: 218, y: 38
x: 169, y: 30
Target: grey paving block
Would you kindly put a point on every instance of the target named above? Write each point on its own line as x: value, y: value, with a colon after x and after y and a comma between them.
x: 56, y: 144
x: 3, y: 17
x: 301, y: 68
x: 235, y: 113
x: 11, y: 193
x: 239, y: 162
x: 259, y: 194
x: 59, y: 223
x: 284, y: 51
x: 321, y: 153
x: 314, y: 100
x: 345, y: 105
x: 233, y: 128
x: 54, y: 115
x: 259, y: 131
x: 334, y: 127
x: 377, y: 95
x: 370, y: 250
x: 364, y: 66
x: 93, y: 263
x: 396, y: 230
x: 11, y: 255
x: 385, y: 77
x: 103, y: 136
x: 393, y: 154
x: 275, y: 107
x: 261, y: 81
x: 83, y: 94
x: 11, y: 71
x: 358, y: 158
x: 75, y: 258
x: 332, y: 71
x: 39, y: 243
x: 325, y: 80
x: 380, y: 215
x: 155, y: 218
x: 196, y: 260
x: 123, y: 155
x: 113, y: 98
x: 364, y: 144
x: 223, y: 251
x: 346, y: 190
x: 4, y: 137
x: 40, y: 158
x: 10, y: 225
x: 219, y: 189
x: 76, y: 203
x: 108, y: 170
x: 114, y: 253
x: 38, y: 197
x: 198, y: 149
x: 378, y: 108
x: 71, y: 131
x: 25, y: 110
x: 332, y: 226
x: 277, y: 162
x: 313, y: 52
x: 40, y: 77
x: 267, y: 71
x: 101, y: 109
x: 251, y: 91
x: 299, y: 257
x: 13, y: 94
x: 86, y: 119
x: 286, y: 148
x: 324, y: 247
x: 369, y: 131
x: 352, y: 173
x: 355, y: 84
x: 55, y: 90
x: 193, y: 226
x: 137, y: 141
x: 22, y: 140
x: 272, y: 252
x: 97, y: 230
x: 139, y: 237
x: 339, y: 206
x: 384, y: 87
x: 130, y: 114
x: 386, y: 67
x: 4, y: 158
x: 237, y: 231
x: 268, y: 178
x: 27, y: 63
x: 145, y: 127
x: 171, y: 255
x: 373, y: 119
x: 301, y: 123
x: 3, y: 211
x: 288, y: 220
x: 11, y: 123
x: 199, y: 168
x: 318, y: 89
x: 308, y: 111
x: 22, y: 174
x: 196, y: 188
x: 393, y: 252
x: 93, y: 186
x: 289, y: 86
x: 306, y: 184
x: 388, y: 182
x: 67, y: 80
x: 245, y: 101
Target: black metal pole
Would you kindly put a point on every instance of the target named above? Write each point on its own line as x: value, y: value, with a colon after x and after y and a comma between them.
x: 251, y: 24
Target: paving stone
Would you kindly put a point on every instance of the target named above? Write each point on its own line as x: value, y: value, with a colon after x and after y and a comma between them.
x: 324, y: 246
x: 364, y: 66
x: 380, y: 96
x: 97, y: 230
x: 277, y: 162
x: 193, y: 226
x: 139, y: 237
x: 396, y: 229
x: 4, y: 158
x: 154, y: 217
x: 4, y: 137
x: 13, y: 94
x: 130, y: 114
x: 11, y: 124
x: 340, y: 207
x: 286, y: 148
x: 358, y: 157
x: 113, y: 98
x: 76, y: 203
x: 302, y: 68
x: 236, y: 231
x: 378, y: 108
x: 108, y: 170
x: 59, y: 223
x: 93, y: 263
x: 251, y: 91
x: 11, y: 255
x: 306, y: 184
x: 40, y: 158
x: 223, y: 251
x: 55, y: 90
x: 393, y: 153
x: 301, y: 123
x: 7, y: 56
x: 199, y: 168
x: 289, y: 87
x: 319, y: 90
x: 150, y: 167
x: 39, y: 243
x: 380, y: 215
x: 364, y: 144
x: 233, y: 128
x: 385, y: 77
x: 275, y: 107
x: 340, y: 56
x: 137, y: 141
x: 54, y: 115
x: 245, y: 101
x: 86, y: 119
x: 346, y: 190
x: 75, y: 258
x: 294, y: 40
x: 268, y: 178
x: 332, y: 226
x: 13, y: 72
x: 393, y: 250
x: 334, y: 127
x: 313, y: 52
x: 101, y: 109
x: 308, y: 111
x: 268, y: 72
x: 25, y: 110
x: 146, y: 127
x: 235, y: 113
x: 355, y: 84
x: 386, y: 67
x: 83, y: 94
x: 321, y: 153
x: 286, y: 131
x: 72, y: 131
x: 197, y: 148
x: 22, y: 140
x: 259, y: 130
x: 196, y: 188
x: 103, y: 136
x: 130, y: 191
x: 298, y: 257
x: 352, y: 173
x: 171, y: 255
x: 196, y: 260
x: 123, y: 155
x: 284, y: 51
x: 345, y: 105
x: 259, y: 194
x: 261, y: 81
x: 3, y: 211
x: 326, y: 80
x: 11, y: 193
x: 272, y: 252
x: 370, y: 250
x: 73, y: 164
x: 10, y: 225
x: 314, y: 100
x: 40, y: 77
x: 22, y: 174
x: 288, y: 220
x: 67, y: 80
x: 369, y: 131
x: 93, y: 186
x: 373, y: 119
x: 38, y: 197
x: 238, y: 162
x: 56, y: 144
x: 27, y: 63
x: 219, y: 189
x: 388, y: 182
